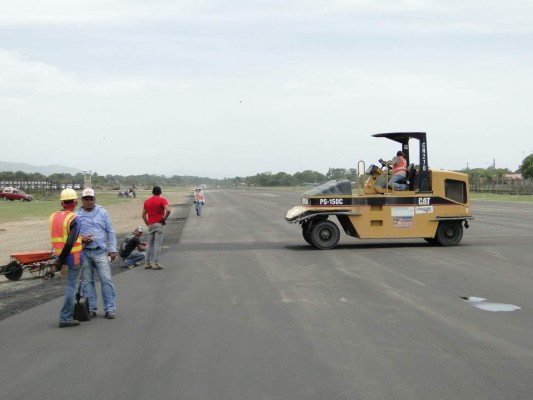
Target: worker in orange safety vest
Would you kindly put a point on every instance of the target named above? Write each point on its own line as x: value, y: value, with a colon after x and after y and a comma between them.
x: 67, y: 245
x: 399, y: 172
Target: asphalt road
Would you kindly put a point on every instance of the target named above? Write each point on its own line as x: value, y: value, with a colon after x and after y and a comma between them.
x: 245, y: 309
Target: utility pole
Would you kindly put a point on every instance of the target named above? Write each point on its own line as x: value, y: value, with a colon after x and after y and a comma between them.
x: 86, y: 179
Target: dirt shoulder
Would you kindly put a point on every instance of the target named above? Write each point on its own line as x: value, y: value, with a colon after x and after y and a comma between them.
x: 33, y: 234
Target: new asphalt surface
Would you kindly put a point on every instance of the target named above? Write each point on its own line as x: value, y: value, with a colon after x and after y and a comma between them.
x: 246, y: 309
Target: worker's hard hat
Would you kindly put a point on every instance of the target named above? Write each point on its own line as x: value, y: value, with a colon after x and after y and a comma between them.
x: 68, y: 194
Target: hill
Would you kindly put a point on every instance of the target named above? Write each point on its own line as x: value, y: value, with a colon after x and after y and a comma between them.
x: 47, y: 170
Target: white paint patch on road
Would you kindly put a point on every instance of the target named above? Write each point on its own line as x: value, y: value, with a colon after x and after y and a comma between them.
x: 480, y: 303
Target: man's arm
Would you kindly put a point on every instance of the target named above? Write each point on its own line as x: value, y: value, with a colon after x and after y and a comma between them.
x: 167, y: 212
x: 145, y: 216
x: 110, y: 236
x: 71, y: 240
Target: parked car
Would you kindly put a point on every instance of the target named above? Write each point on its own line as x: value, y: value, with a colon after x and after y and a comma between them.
x: 77, y: 186
x: 10, y: 193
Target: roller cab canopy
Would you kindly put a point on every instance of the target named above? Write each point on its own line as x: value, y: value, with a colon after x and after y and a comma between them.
x: 403, y: 138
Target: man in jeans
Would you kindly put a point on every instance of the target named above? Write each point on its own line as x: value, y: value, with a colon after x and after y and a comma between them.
x: 155, y: 213
x: 100, y: 246
x: 66, y: 242
x: 199, y: 201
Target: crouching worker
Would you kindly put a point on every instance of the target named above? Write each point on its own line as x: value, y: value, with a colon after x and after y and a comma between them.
x: 66, y: 242
x: 132, y: 250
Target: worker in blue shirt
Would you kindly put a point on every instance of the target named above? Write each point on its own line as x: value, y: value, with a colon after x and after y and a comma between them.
x: 100, y: 246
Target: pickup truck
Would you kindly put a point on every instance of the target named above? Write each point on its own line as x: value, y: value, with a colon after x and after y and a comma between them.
x: 10, y: 193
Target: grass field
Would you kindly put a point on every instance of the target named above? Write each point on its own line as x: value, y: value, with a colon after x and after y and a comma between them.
x: 502, y: 197
x: 17, y: 210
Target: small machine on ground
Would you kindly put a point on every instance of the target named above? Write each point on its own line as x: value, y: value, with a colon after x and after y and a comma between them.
x: 435, y: 205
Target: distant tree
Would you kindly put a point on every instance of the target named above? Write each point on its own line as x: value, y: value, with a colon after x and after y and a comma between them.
x: 527, y: 167
x: 79, y: 178
x: 499, y: 174
x: 309, y: 176
x: 337, y: 173
x: 21, y: 176
x: 283, y: 179
x: 352, y: 174
x: 56, y: 178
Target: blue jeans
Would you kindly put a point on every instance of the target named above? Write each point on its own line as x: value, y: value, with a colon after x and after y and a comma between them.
x: 135, y: 257
x: 71, y: 288
x: 155, y: 240
x: 97, y: 260
x: 198, y: 205
x: 393, y: 182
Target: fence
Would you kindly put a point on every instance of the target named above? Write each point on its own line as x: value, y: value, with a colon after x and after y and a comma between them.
x: 522, y: 187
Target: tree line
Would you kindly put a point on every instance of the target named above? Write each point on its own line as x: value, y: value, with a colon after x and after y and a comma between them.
x: 304, y: 178
x: 307, y: 177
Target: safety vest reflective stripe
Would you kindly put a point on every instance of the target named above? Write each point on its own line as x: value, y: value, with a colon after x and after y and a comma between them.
x: 400, y: 167
x: 59, y: 231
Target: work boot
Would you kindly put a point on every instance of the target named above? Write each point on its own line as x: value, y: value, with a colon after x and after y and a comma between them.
x: 68, y: 324
x: 148, y: 266
x: 110, y: 314
x: 157, y: 266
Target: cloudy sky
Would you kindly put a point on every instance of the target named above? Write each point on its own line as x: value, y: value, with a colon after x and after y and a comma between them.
x: 239, y: 87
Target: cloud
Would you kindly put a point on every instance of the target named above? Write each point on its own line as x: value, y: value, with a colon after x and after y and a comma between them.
x: 20, y: 74
x: 450, y: 16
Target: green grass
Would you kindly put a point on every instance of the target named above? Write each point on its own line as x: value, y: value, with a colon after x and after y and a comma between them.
x: 18, y: 211
x: 502, y: 197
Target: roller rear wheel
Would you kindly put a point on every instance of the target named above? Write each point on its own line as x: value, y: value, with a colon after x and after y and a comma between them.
x: 449, y: 233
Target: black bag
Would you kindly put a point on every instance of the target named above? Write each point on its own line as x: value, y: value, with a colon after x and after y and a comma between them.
x: 81, y: 308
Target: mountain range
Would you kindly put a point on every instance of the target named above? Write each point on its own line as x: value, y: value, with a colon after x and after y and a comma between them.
x: 47, y: 170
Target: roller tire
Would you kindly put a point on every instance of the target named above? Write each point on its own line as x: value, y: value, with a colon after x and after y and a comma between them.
x: 449, y: 233
x: 325, y: 235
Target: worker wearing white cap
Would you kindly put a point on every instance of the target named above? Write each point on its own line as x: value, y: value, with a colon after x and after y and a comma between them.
x: 132, y: 250
x: 100, y: 243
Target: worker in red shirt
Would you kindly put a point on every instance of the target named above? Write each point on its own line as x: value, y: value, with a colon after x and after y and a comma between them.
x: 155, y: 213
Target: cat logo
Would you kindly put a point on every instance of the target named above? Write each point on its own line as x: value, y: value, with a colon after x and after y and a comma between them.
x: 424, y: 201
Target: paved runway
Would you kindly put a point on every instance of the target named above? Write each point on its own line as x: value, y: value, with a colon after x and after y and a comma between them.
x: 247, y: 310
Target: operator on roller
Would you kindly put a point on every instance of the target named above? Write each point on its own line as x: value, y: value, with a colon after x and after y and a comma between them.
x: 399, y: 172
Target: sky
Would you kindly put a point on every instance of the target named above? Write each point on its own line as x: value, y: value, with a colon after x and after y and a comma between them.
x: 240, y: 87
